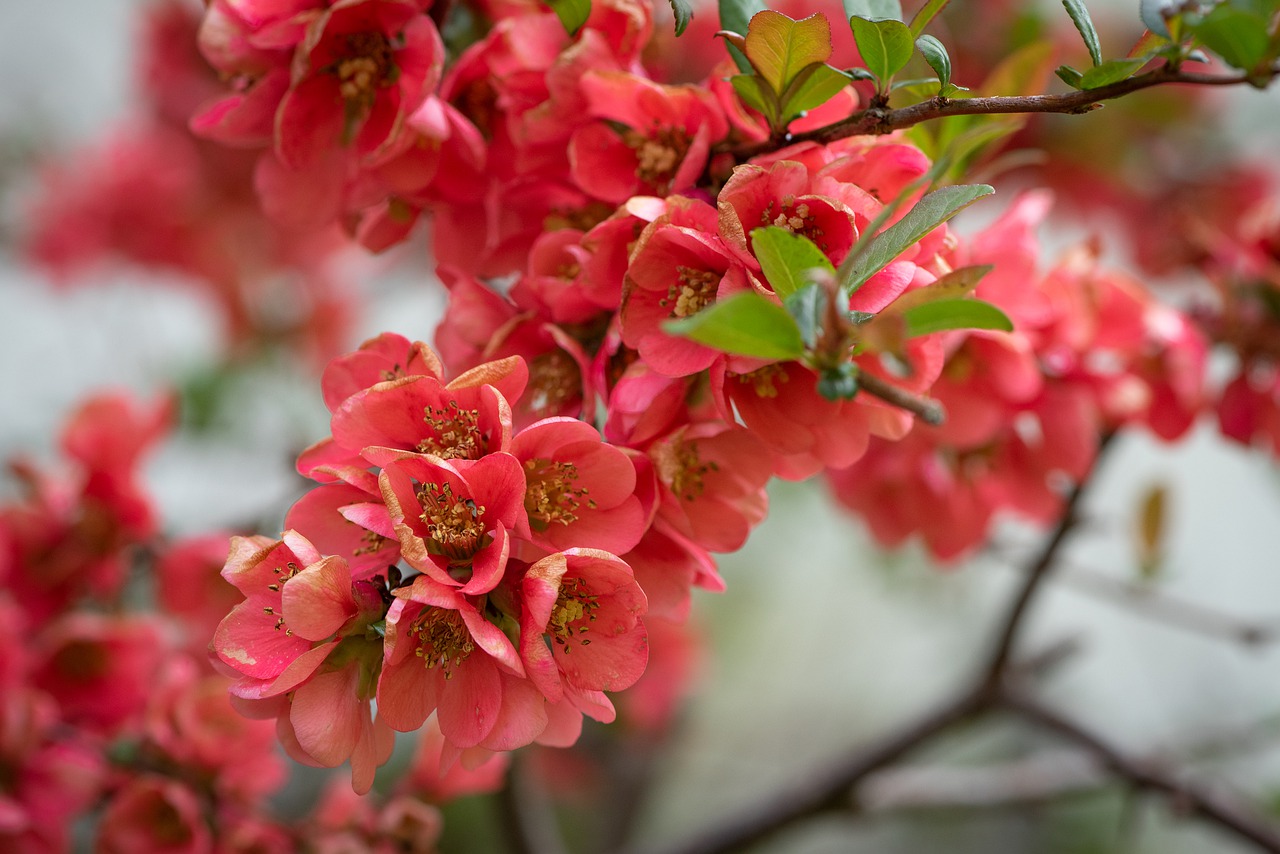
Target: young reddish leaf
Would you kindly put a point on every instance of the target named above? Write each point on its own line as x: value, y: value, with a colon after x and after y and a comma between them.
x: 745, y: 324
x: 954, y: 285
x: 787, y: 258
x: 779, y: 47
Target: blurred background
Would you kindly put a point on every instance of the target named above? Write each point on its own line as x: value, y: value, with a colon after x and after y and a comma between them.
x: 822, y: 641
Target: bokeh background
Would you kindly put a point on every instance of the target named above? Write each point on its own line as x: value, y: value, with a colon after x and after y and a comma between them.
x: 822, y: 640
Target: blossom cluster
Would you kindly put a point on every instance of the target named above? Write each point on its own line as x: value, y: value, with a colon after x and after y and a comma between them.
x: 505, y: 528
x: 496, y: 519
x: 115, y: 727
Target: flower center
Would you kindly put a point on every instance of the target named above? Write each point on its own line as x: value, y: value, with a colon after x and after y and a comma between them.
x: 682, y: 468
x: 368, y: 65
x: 457, y: 436
x: 575, y: 608
x: 443, y: 639
x: 693, y: 291
x: 764, y: 380
x: 551, y: 496
x: 658, y: 156
x: 282, y: 575
x: 455, y: 524
x: 554, y: 379
x: 797, y: 219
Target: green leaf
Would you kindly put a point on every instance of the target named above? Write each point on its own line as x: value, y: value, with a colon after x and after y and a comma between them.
x: 779, y: 48
x: 1111, y: 71
x: 954, y: 285
x: 935, y: 54
x: 942, y: 315
x: 735, y: 16
x: 808, y: 306
x: 930, y: 212
x: 745, y: 324
x: 873, y: 9
x: 1239, y: 37
x: 1070, y: 76
x: 756, y: 95
x: 812, y: 87
x: 572, y: 13
x: 886, y: 46
x: 683, y: 12
x: 926, y: 14
x: 787, y: 258
x: 1080, y: 17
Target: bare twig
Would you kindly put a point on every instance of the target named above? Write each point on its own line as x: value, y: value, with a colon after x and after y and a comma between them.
x: 828, y: 790
x: 880, y: 120
x: 1153, y: 603
x: 1036, y: 573
x: 527, y: 815
x: 1185, y: 797
x: 928, y: 411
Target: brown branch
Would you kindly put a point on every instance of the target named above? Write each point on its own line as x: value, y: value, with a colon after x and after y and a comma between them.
x: 928, y: 411
x: 828, y: 790
x: 1160, y: 606
x: 1036, y: 573
x: 1185, y: 797
x: 879, y: 120
x: 527, y: 816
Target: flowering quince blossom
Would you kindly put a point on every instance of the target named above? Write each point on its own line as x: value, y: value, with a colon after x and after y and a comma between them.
x: 455, y: 519
x: 303, y: 630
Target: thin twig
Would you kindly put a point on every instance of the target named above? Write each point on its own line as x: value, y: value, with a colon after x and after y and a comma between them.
x: 1185, y: 797
x: 928, y: 411
x: 879, y: 120
x: 829, y: 790
x: 1036, y: 574
x: 527, y: 814
x: 1153, y: 603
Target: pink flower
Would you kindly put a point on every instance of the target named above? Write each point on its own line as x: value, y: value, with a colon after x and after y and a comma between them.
x: 363, y: 67
x: 678, y: 267
x: 580, y: 624
x: 580, y: 490
x: 713, y: 478
x: 442, y: 655
x: 154, y: 814
x: 99, y: 669
x: 190, y: 586
x: 455, y: 519
x: 663, y: 146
